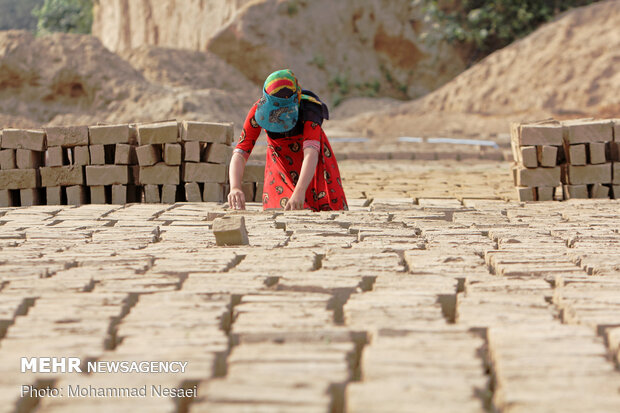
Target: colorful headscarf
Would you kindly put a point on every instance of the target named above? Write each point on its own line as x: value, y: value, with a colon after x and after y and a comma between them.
x: 278, y: 109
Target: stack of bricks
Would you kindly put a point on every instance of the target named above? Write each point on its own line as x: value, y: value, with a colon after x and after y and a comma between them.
x: 21, y: 155
x: 253, y: 182
x: 567, y: 160
x: 207, y: 153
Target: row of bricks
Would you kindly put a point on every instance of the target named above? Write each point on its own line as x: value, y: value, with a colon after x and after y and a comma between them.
x: 579, y: 154
x: 554, y: 133
x: 142, y: 134
x: 566, y: 192
x: 606, y: 173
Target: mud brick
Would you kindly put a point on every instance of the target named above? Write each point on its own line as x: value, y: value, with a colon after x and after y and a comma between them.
x: 54, y: 195
x: 254, y: 173
x: 534, y: 177
x: 76, y: 195
x: 248, y: 190
x: 599, y: 191
x: 148, y: 154
x: 7, y: 159
x: 33, y: 140
x: 159, y: 174
x: 151, y: 194
x: 544, y: 193
x: 192, y: 192
x: 97, y: 154
x: 597, y: 152
x: 526, y: 194
x: 614, y: 149
x: 528, y: 156
x: 30, y: 196
x: 124, y: 154
x: 81, y: 155
x: 107, y: 175
x: 575, y: 191
x: 537, y: 134
x: 98, y: 195
x: 62, y: 176
x: 589, y: 174
x: 230, y: 230
x: 577, y: 154
x: 547, y: 155
x: 615, y: 177
x: 55, y: 156
x: 615, y: 189
x: 67, y: 136
x: 158, y: 133
x: 168, y: 194
x: 193, y: 151
x: 258, y: 196
x: 19, y: 179
x: 108, y: 134
x: 172, y: 153
x: 213, y: 192
x: 218, y: 153
x: 586, y: 131
x: 6, y: 200
x: 207, y: 132
x: 119, y: 194
x: 204, y: 172
x: 27, y: 159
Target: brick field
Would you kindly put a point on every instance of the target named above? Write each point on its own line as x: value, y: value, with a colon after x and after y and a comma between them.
x: 436, y: 292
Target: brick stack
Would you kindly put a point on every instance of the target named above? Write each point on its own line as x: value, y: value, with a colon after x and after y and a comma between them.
x: 253, y: 182
x: 572, y: 159
x: 66, y: 157
x: 111, y: 172
x: 21, y: 155
x: 206, y: 158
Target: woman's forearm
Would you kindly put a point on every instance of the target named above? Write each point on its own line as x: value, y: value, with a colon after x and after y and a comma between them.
x: 237, y: 167
x: 308, y: 169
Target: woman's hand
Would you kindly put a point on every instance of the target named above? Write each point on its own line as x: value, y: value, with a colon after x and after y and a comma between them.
x: 236, y: 198
x: 296, y: 201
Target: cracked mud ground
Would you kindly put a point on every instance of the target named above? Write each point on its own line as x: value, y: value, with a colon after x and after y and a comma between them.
x: 421, y: 298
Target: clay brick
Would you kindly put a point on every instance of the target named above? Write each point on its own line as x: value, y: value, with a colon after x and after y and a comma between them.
x: 148, y: 154
x: 577, y: 154
x: 258, y: 197
x: 109, y: 134
x: 589, y: 174
x: 614, y: 150
x: 586, y: 131
x: 230, y: 230
x: 528, y: 156
x: 6, y: 200
x: 97, y: 154
x: 54, y: 195
x: 107, y: 175
x: 19, y: 179
x: 98, y: 195
x: 124, y: 154
x: 545, y: 193
x: 7, y: 159
x: 151, y: 194
x: 81, y: 155
x: 526, y: 194
x: 76, y: 195
x: 575, y: 191
x: 172, y: 153
x: 207, y: 132
x: 218, y: 153
x: 534, y: 177
x: 62, y: 176
x: 67, y: 136
x: 617, y: 130
x: 55, y: 156
x: 213, y: 192
x: 27, y: 159
x: 615, y: 177
x: 248, y: 191
x: 615, y: 189
x: 192, y: 192
x: 193, y: 151
x: 597, y: 152
x: 204, y: 172
x: 158, y: 133
x: 33, y: 140
x: 30, y: 197
x: 254, y: 173
x: 538, y: 134
x: 547, y: 155
x: 599, y: 191
x: 169, y: 194
x: 119, y: 194
x: 159, y: 174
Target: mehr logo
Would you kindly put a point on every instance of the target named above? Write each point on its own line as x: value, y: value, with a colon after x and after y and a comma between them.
x: 51, y: 365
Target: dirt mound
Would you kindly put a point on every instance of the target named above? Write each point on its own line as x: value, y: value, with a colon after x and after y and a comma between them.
x: 566, y: 68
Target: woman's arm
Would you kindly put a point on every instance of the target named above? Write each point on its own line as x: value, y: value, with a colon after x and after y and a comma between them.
x: 236, y: 197
x: 308, y: 169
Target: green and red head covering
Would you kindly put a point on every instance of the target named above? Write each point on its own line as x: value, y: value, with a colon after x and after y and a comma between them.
x: 278, y: 109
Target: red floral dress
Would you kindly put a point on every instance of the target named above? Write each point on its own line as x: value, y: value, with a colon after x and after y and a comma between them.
x: 284, y: 159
